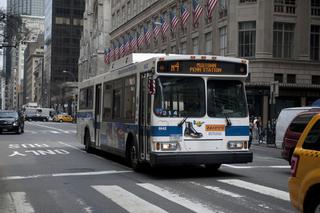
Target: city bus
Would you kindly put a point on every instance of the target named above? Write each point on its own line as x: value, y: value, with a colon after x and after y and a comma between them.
x: 168, y: 110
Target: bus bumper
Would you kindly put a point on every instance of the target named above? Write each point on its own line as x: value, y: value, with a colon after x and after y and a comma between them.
x: 178, y: 158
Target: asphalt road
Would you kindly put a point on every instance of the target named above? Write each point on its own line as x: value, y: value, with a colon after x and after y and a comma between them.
x: 46, y: 170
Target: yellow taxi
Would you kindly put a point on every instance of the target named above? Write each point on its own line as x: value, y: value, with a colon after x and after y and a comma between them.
x: 304, y: 183
x: 63, y: 118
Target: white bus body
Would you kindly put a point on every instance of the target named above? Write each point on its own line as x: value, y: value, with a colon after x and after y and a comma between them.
x: 168, y: 110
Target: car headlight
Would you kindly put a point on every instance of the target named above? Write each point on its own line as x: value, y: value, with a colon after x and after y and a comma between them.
x: 15, y: 123
x: 235, y: 144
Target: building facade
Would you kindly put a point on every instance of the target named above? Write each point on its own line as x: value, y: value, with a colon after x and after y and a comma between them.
x: 35, y: 27
x: 280, y: 38
x: 33, y: 55
x: 25, y: 7
x: 63, y: 28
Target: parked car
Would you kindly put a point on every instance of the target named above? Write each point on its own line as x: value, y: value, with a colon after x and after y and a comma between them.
x: 304, y: 183
x: 11, y: 121
x: 284, y: 119
x: 63, y: 118
x: 294, y: 131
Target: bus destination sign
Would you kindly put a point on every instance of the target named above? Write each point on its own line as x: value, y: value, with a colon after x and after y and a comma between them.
x: 202, y: 67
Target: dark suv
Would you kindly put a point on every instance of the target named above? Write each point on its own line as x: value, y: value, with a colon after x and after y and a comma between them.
x: 11, y: 121
x: 294, y: 132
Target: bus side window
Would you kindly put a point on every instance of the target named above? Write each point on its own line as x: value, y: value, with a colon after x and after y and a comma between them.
x: 107, y: 102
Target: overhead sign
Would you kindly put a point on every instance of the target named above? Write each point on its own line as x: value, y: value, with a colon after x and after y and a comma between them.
x: 202, y: 67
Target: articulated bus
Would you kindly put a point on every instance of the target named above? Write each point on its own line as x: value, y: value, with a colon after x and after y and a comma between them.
x: 166, y: 110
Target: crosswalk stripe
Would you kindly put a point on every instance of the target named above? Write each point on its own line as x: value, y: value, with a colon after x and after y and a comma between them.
x: 127, y: 200
x: 54, y: 132
x: 218, y: 190
x: 195, y: 206
x: 258, y: 188
x: 16, y: 201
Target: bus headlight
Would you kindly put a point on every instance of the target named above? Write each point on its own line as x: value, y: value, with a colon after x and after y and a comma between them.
x: 169, y: 146
x: 235, y: 144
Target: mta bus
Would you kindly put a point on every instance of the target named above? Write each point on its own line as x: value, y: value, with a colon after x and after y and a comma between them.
x: 165, y: 110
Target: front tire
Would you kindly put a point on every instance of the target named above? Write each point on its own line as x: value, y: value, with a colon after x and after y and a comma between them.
x: 87, y: 142
x: 133, y: 159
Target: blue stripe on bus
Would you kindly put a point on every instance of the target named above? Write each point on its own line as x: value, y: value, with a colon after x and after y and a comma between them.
x: 165, y: 130
x: 175, y: 130
x: 237, y: 131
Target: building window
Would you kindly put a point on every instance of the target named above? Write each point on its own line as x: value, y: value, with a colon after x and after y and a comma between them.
x: 223, y: 40
x: 183, y: 49
x: 223, y: 10
x: 195, y: 45
x: 247, y: 39
x: 208, y: 43
x: 248, y: 1
x: 285, y: 6
x: 173, y: 49
x: 291, y: 78
x: 315, y: 7
x: 315, y: 79
x: 283, y: 40
x: 315, y: 42
x: 278, y: 77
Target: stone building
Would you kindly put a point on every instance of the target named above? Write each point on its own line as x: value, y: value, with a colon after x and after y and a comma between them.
x: 280, y: 38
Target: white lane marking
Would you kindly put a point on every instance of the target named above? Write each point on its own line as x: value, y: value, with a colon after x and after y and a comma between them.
x: 258, y: 188
x: 218, y: 190
x: 64, y: 175
x: 127, y: 200
x: 16, y: 202
x: 193, y: 205
x: 49, y: 127
x: 54, y: 132
x: 256, y: 167
x: 73, y: 147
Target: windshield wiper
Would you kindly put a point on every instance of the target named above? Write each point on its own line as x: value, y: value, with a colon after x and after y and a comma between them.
x: 182, y: 122
x: 227, y: 119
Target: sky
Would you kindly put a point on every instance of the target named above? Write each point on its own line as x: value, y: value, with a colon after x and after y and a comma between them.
x: 3, y: 4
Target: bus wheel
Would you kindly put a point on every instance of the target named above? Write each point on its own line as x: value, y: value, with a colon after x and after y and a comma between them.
x: 134, y: 162
x: 87, y: 142
x: 213, y: 167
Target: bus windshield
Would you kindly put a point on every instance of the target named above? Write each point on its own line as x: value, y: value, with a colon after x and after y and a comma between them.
x: 179, y: 97
x: 226, y: 98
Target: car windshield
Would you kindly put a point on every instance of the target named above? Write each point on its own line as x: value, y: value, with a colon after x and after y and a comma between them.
x: 179, y: 97
x: 8, y: 115
x: 226, y: 98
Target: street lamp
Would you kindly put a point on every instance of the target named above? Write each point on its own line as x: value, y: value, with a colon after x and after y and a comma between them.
x: 70, y: 73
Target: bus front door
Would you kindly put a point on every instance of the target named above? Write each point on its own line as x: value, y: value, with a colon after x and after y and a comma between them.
x: 144, y: 116
x: 97, y: 117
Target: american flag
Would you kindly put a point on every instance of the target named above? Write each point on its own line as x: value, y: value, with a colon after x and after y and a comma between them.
x: 121, y: 50
x: 147, y: 34
x: 174, y: 20
x: 164, y: 25
x: 197, y: 11
x: 107, y: 55
x: 211, y: 4
x: 140, y: 40
x: 184, y: 15
x: 111, y: 54
x: 127, y: 47
x: 133, y: 43
x: 116, y: 52
x: 156, y: 29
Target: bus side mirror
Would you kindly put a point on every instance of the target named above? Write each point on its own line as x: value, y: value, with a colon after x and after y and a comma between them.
x: 151, y: 86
